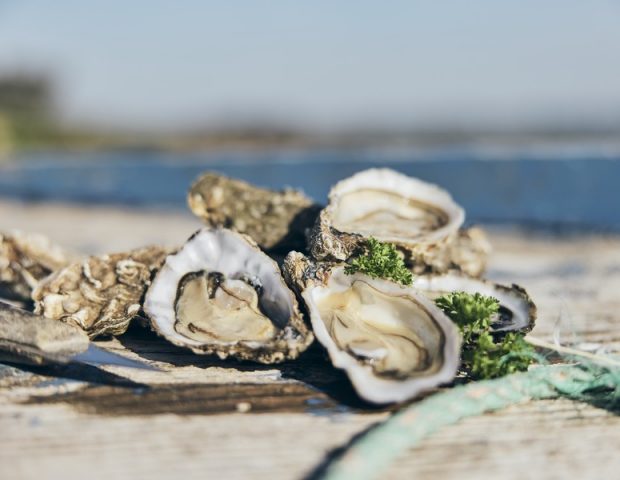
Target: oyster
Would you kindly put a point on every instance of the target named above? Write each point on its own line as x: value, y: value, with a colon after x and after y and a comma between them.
x: 466, y: 252
x: 36, y: 340
x: 419, y: 218
x: 102, y: 294
x: 516, y: 311
x: 275, y: 220
x: 391, y: 340
x: 220, y: 294
x: 25, y: 259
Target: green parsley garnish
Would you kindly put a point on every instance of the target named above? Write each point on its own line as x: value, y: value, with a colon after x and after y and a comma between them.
x: 381, y: 260
x: 485, y: 355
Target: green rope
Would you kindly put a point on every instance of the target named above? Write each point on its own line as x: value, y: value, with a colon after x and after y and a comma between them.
x: 367, y: 457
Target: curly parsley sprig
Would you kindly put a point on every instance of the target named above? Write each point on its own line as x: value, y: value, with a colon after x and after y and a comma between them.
x: 381, y: 260
x: 485, y: 355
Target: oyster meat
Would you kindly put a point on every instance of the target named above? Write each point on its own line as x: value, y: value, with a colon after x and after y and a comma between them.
x: 419, y: 218
x: 25, y: 259
x: 517, y: 311
x: 102, y: 294
x: 391, y: 340
x: 219, y: 294
x: 276, y: 220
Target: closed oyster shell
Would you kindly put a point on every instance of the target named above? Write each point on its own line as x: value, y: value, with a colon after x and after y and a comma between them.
x: 36, y: 340
x: 220, y: 294
x: 391, y: 340
x: 419, y: 218
x: 101, y: 294
x: 276, y: 220
x: 26, y: 259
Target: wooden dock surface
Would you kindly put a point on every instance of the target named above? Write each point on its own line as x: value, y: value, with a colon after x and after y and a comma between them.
x: 204, y: 418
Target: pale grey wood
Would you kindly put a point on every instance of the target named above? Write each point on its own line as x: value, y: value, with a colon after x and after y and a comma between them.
x: 575, y: 281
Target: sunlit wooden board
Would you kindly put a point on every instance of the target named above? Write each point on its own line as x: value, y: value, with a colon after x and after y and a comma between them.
x: 205, y: 418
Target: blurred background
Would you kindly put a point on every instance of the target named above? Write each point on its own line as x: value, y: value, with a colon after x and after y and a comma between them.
x: 512, y: 106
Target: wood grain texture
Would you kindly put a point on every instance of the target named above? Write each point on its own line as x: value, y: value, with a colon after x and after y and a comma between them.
x: 187, y: 422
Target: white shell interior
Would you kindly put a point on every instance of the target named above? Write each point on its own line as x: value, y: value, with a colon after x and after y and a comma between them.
x: 224, y: 251
x: 393, y: 208
x: 374, y: 388
x: 436, y: 285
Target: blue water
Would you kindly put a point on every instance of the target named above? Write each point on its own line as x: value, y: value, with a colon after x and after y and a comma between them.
x: 544, y: 188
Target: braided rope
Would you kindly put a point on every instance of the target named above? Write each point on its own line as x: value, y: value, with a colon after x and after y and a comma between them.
x: 369, y: 455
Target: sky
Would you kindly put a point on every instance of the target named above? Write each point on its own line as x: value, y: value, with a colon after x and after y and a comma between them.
x: 322, y: 64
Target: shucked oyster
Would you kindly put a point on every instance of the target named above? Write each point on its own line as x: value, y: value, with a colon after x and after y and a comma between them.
x: 220, y: 294
x: 101, y: 294
x: 275, y: 220
x: 517, y: 312
x: 420, y: 218
x: 25, y: 259
x: 392, y: 341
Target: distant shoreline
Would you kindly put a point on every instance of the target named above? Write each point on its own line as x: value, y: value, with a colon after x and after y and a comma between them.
x: 554, y: 188
x: 256, y: 139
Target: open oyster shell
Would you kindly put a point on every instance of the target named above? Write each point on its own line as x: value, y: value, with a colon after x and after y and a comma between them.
x: 391, y: 340
x: 517, y: 311
x: 419, y: 218
x: 219, y: 294
x: 274, y: 219
x: 25, y: 259
x: 101, y: 294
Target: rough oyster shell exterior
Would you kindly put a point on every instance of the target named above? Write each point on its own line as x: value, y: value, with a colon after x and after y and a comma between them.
x: 101, y: 294
x: 29, y: 338
x: 276, y: 220
x: 465, y: 252
x: 26, y: 259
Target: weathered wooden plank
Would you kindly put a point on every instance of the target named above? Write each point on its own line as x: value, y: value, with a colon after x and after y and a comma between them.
x: 187, y: 423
